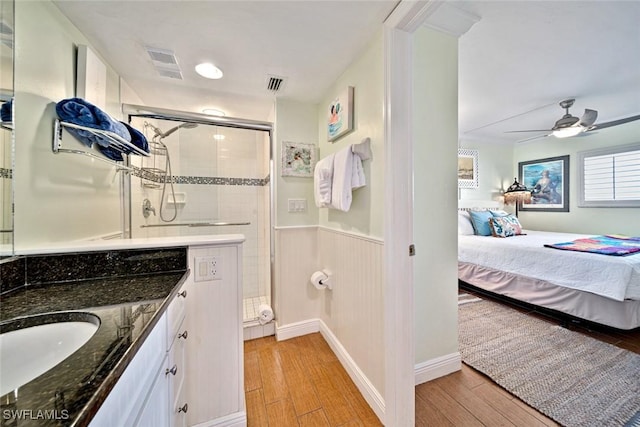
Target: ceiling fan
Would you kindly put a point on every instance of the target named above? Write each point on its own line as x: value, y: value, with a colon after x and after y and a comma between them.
x: 570, y: 125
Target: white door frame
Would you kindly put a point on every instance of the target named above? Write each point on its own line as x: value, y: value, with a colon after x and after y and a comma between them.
x: 399, y: 393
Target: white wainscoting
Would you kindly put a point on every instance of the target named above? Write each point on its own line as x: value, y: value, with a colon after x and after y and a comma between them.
x: 296, y: 258
x: 354, y: 309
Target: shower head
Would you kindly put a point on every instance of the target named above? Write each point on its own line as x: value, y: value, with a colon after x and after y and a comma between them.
x: 173, y: 129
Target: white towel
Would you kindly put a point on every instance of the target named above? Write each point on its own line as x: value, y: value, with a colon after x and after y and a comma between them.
x: 322, y: 181
x: 347, y: 176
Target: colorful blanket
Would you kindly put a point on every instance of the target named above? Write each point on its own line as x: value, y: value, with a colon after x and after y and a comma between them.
x: 613, y: 244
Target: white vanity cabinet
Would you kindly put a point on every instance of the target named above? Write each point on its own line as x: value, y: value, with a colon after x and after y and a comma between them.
x: 214, y: 349
x: 146, y: 394
x: 189, y: 371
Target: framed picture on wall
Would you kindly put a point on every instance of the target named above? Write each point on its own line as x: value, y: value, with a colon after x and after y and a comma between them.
x: 340, y: 115
x: 467, y: 168
x: 548, y: 181
x: 298, y: 159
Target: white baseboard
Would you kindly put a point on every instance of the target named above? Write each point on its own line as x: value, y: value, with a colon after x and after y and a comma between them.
x: 297, y: 329
x: 438, y: 367
x: 237, y: 419
x: 369, y: 392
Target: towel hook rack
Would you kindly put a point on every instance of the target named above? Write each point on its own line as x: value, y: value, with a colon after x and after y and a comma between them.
x: 363, y: 149
x: 117, y: 143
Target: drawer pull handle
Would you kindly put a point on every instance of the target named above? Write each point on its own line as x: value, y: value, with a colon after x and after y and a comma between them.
x: 171, y: 371
x: 182, y: 294
x: 184, y: 408
x: 184, y: 335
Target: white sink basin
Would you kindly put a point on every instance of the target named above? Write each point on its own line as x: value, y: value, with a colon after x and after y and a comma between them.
x: 31, y: 346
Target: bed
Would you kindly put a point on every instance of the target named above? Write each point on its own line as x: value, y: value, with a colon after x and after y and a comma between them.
x: 598, y: 288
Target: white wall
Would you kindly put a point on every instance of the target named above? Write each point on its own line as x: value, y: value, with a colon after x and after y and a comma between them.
x: 435, y: 112
x: 581, y: 220
x: 57, y: 197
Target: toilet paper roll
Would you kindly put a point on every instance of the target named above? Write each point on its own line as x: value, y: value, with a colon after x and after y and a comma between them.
x: 265, y: 314
x: 319, y: 280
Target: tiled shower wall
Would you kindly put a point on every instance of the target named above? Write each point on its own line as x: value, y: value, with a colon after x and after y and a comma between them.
x: 220, y: 181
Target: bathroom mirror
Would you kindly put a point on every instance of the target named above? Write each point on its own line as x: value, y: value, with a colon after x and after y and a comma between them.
x: 6, y: 132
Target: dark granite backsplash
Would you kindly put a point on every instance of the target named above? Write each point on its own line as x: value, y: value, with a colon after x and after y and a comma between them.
x: 12, y: 274
x: 74, y: 267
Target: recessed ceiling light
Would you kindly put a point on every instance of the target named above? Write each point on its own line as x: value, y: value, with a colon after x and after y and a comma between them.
x: 218, y: 136
x: 214, y: 112
x: 209, y: 70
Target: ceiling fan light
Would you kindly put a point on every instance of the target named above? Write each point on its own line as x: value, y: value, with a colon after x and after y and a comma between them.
x: 567, y: 132
x: 209, y: 71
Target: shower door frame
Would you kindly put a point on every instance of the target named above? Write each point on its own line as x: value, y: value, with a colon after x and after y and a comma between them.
x: 132, y: 110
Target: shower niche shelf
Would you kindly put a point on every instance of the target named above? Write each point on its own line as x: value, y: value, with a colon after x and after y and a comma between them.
x: 117, y: 143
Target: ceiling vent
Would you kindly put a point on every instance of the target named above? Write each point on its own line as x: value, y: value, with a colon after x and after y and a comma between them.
x: 165, y: 62
x: 275, y: 83
x: 174, y: 74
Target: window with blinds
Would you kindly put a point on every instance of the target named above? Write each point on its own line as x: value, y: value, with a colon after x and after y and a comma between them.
x: 610, y: 177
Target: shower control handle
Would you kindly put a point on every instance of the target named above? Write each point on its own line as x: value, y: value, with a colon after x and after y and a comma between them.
x: 147, y: 208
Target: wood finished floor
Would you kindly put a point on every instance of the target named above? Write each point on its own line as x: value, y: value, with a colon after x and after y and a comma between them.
x: 300, y: 382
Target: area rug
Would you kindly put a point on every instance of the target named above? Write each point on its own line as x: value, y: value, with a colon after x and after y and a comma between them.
x: 572, y: 378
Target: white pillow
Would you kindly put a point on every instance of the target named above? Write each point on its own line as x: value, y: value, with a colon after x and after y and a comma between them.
x: 464, y: 223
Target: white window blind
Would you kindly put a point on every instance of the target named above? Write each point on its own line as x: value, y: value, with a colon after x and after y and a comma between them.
x: 610, y: 177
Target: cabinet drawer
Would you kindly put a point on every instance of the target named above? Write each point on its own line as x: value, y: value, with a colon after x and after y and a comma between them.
x: 179, y: 409
x: 175, y: 315
x: 177, y: 364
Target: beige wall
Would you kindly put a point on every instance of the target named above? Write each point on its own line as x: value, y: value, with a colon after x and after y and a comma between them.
x: 435, y: 112
x: 580, y: 220
x: 294, y: 122
x: 57, y: 197
x: 495, y: 171
x: 366, y: 75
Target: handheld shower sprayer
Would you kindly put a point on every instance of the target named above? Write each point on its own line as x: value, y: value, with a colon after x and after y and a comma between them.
x: 173, y: 129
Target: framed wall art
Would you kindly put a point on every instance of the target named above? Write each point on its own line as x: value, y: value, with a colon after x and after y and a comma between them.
x: 340, y: 115
x: 298, y: 159
x: 467, y: 168
x: 548, y: 181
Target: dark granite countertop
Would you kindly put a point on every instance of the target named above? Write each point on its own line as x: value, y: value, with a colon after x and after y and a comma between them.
x: 71, y: 393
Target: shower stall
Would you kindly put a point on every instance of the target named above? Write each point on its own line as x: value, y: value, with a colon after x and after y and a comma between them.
x: 205, y: 175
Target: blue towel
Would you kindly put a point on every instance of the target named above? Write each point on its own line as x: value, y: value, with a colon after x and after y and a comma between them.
x: 6, y: 114
x: 80, y: 112
x: 137, y: 139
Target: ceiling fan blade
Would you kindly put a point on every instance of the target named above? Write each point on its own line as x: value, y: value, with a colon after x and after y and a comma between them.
x: 588, y: 118
x: 613, y: 123
x: 534, y: 130
x: 533, y: 138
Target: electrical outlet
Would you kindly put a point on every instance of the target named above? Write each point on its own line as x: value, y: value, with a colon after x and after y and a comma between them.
x: 208, y: 268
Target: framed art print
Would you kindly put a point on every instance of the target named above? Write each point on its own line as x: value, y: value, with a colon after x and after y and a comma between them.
x: 467, y: 168
x: 340, y: 115
x: 298, y: 159
x: 548, y: 181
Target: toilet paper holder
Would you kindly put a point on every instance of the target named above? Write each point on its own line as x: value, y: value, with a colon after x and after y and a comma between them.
x: 322, y: 279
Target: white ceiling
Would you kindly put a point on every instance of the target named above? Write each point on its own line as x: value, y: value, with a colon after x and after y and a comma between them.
x: 523, y: 57
x: 309, y: 42
x: 516, y: 63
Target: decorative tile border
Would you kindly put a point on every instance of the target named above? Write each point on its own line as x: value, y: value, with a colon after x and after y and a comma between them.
x: 6, y: 173
x: 201, y: 180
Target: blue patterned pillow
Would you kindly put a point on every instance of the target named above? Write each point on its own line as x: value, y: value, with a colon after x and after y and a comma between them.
x: 500, y: 213
x: 505, y: 226
x: 480, y: 221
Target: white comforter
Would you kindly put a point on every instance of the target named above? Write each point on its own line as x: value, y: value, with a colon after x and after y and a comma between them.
x: 610, y: 276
